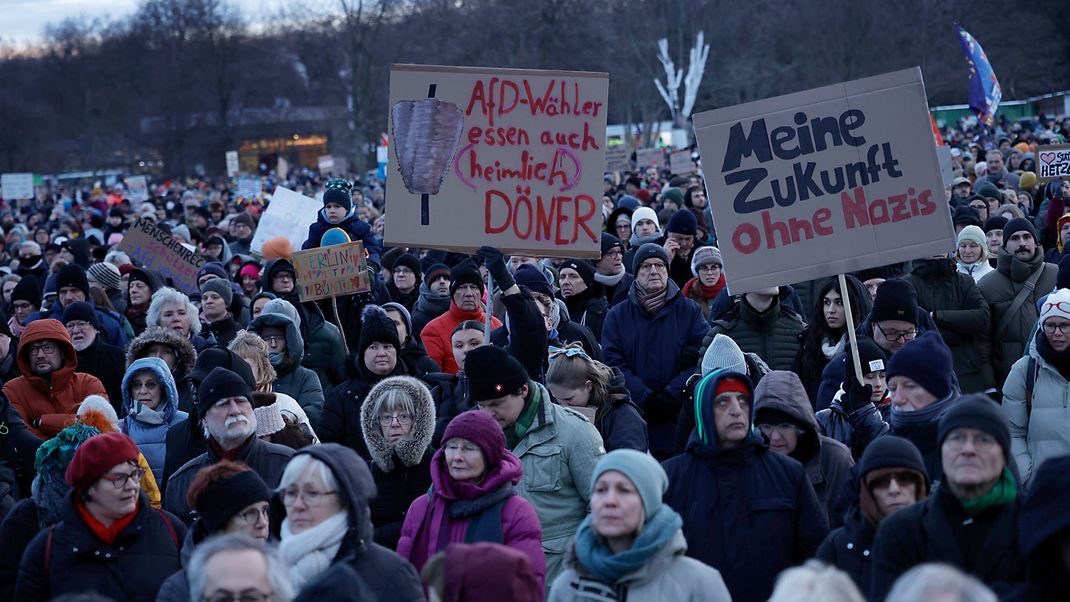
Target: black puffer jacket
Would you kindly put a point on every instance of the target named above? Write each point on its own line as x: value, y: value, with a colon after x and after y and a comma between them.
x: 961, y: 315
x: 773, y: 334
x: 619, y: 421
x: 105, y: 362
x: 387, y: 576
x: 133, y: 568
x: 850, y: 548
x: 856, y: 428
x: 402, y: 471
x: 340, y: 422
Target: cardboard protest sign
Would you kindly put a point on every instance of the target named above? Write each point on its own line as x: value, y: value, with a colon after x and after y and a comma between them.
x: 16, y: 185
x: 680, y: 163
x: 232, y: 163
x: 1053, y: 162
x: 157, y: 250
x: 138, y: 188
x: 325, y: 163
x: 649, y: 157
x: 331, y: 271
x: 289, y: 214
x: 617, y: 158
x: 826, y: 181
x: 503, y: 157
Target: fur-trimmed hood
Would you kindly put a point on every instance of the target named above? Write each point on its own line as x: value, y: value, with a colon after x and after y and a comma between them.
x: 411, y: 449
x: 185, y: 355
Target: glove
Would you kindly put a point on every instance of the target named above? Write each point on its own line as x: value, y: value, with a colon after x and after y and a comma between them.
x: 661, y: 407
x: 495, y: 264
x: 856, y: 395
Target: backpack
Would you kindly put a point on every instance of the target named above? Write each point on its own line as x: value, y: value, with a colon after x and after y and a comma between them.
x: 1030, y: 383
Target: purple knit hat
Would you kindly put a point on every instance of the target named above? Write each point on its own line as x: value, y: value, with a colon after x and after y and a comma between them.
x: 478, y: 427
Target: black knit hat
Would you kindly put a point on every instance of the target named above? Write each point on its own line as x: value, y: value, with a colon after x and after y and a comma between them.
x: 436, y: 271
x: 581, y: 267
x: 609, y: 241
x: 966, y: 216
x: 80, y: 310
x: 492, y: 373
x: 649, y: 250
x: 222, y: 500
x: 978, y: 412
x: 213, y: 357
x: 870, y: 355
x: 890, y: 451
x: 996, y: 222
x: 376, y: 327
x: 387, y: 259
x: 895, y: 300
x: 29, y: 290
x: 682, y: 221
x: 72, y: 274
x: 339, y: 191
x: 1017, y: 225
x: 465, y: 272
x: 221, y: 384
x: 927, y: 361
x: 533, y: 279
x: 409, y: 261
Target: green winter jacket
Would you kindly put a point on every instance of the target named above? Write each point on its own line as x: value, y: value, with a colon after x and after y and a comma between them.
x: 773, y: 334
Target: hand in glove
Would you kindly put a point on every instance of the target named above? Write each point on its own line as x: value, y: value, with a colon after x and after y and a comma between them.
x: 495, y: 264
x: 855, y: 395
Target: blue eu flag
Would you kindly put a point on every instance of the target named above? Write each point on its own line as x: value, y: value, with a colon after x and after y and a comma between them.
x: 985, y: 92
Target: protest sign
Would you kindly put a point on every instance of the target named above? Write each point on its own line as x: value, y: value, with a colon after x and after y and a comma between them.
x: 16, y: 185
x: 138, y: 188
x: 289, y: 215
x: 822, y: 182
x: 157, y: 250
x: 617, y: 158
x: 503, y: 157
x: 943, y: 154
x: 325, y: 163
x: 680, y: 163
x: 331, y: 271
x: 1053, y: 162
x: 232, y: 163
x: 249, y: 188
x: 649, y: 157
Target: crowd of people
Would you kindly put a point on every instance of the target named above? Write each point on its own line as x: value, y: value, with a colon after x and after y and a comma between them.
x: 621, y: 428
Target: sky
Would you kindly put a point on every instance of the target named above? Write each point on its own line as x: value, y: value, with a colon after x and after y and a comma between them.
x: 23, y: 21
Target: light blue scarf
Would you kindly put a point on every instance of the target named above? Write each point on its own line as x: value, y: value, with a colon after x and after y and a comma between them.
x: 595, y: 556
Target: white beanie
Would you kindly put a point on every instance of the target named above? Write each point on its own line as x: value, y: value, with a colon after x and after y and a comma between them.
x: 723, y: 354
x: 645, y: 213
x: 100, y: 404
x: 977, y: 235
x: 1057, y: 304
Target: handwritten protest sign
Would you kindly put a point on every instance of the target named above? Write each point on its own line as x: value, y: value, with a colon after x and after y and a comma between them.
x: 503, y: 157
x: 331, y: 271
x: 823, y: 182
x: 1053, y: 162
x: 617, y: 158
x: 157, y: 250
x: 249, y: 188
x: 16, y: 185
x: 138, y: 188
x: 680, y: 163
x: 649, y: 157
x: 289, y: 214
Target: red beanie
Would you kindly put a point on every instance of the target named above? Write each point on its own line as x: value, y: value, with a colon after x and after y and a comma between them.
x: 97, y: 456
x: 731, y: 385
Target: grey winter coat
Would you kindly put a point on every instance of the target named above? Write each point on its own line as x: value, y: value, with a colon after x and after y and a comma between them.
x: 1043, y: 432
x: 668, y: 575
x: 148, y: 427
x: 292, y: 378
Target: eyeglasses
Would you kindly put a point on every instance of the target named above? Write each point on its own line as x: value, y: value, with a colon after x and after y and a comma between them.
x: 388, y: 419
x: 77, y: 325
x: 613, y: 253
x: 119, y: 480
x: 885, y: 480
x: 782, y: 429
x: 249, y: 595
x: 652, y: 266
x: 403, y: 271
x: 1050, y: 327
x: 43, y: 347
x: 311, y: 497
x: 251, y: 515
x: 272, y: 339
x: 957, y: 441
x: 283, y: 276
x: 898, y: 335
x: 710, y: 268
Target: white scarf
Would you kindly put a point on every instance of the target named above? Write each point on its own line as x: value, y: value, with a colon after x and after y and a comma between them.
x: 310, y: 552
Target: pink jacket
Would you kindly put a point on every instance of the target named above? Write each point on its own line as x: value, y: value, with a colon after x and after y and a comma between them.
x: 429, y: 527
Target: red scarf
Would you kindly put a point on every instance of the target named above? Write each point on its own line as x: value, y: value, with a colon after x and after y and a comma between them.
x: 105, y: 534
x: 701, y: 291
x: 226, y: 454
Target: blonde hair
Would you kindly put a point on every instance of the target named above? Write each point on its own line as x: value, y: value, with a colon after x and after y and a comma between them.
x: 249, y: 346
x: 574, y: 370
